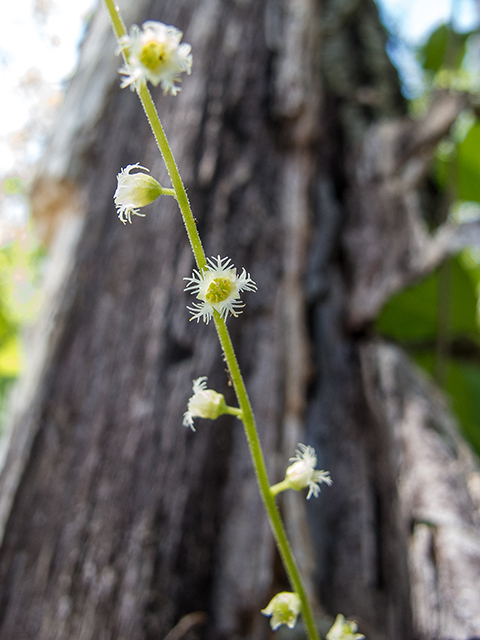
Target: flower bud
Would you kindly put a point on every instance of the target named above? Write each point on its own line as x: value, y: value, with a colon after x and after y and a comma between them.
x: 302, y: 472
x: 134, y: 191
x: 344, y: 630
x: 299, y: 475
x: 204, y: 403
x: 284, y: 608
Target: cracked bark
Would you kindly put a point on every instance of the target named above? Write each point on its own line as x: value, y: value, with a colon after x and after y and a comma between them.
x: 300, y: 164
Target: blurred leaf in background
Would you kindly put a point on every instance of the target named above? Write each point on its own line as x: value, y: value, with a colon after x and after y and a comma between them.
x: 437, y: 320
x: 20, y: 267
x: 468, y: 165
x: 445, y: 49
x: 412, y: 319
x: 34, y: 69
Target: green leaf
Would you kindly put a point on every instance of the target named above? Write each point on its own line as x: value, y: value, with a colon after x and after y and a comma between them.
x: 411, y: 318
x: 445, y: 49
x: 10, y: 358
x: 463, y: 386
x: 12, y: 185
x: 411, y: 315
x: 468, y: 165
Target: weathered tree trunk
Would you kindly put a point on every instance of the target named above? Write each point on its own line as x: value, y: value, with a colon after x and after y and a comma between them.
x: 118, y: 523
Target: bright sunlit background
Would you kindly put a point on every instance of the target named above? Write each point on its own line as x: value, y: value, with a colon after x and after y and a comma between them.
x: 411, y: 23
x: 39, y: 46
x: 39, y: 49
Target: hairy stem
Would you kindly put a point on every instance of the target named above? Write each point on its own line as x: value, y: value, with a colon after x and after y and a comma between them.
x: 256, y: 452
x: 279, y: 487
x: 245, y: 413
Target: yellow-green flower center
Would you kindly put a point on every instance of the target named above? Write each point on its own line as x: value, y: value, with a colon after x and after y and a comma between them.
x: 284, y: 613
x: 153, y: 54
x: 219, y: 290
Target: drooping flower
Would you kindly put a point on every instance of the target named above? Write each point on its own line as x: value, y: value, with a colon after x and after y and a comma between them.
x: 155, y: 54
x: 302, y: 472
x: 218, y: 287
x: 204, y: 403
x: 134, y: 191
x: 284, y: 608
x: 344, y: 630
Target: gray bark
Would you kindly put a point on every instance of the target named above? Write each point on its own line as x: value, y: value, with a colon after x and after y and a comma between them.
x: 119, y: 523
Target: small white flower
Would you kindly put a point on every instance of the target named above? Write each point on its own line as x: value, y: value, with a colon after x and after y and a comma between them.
x: 134, y: 191
x: 344, y: 630
x: 218, y: 287
x: 205, y: 403
x: 156, y: 55
x: 284, y: 608
x: 302, y: 472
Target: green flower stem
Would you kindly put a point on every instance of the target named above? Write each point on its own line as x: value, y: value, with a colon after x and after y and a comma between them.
x: 234, y: 411
x: 168, y: 192
x: 256, y: 452
x: 245, y: 412
x: 275, y: 489
x: 162, y: 142
x: 180, y: 193
x: 116, y: 20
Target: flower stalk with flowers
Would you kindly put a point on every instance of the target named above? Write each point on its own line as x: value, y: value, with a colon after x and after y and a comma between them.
x: 154, y: 54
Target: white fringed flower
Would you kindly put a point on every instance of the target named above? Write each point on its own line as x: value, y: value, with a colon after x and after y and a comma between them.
x: 205, y: 403
x: 302, y: 472
x: 284, y: 608
x: 218, y: 287
x: 134, y: 191
x: 344, y: 630
x: 156, y: 55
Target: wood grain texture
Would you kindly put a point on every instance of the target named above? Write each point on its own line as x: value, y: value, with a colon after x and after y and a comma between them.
x: 437, y: 487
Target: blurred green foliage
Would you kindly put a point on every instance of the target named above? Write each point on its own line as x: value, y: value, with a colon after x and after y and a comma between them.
x: 468, y: 165
x: 445, y: 49
x: 412, y: 319
x: 437, y: 320
x: 20, y: 265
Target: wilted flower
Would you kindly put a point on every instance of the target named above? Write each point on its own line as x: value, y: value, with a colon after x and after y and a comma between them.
x: 134, y: 191
x: 344, y: 630
x: 155, y: 54
x: 205, y: 403
x: 218, y: 287
x: 284, y: 608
